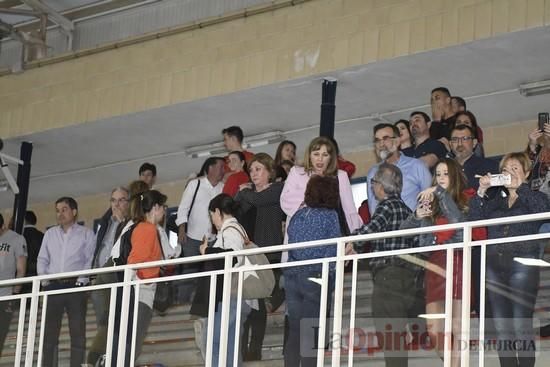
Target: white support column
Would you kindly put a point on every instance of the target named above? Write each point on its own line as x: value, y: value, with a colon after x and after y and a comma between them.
x: 351, y: 340
x: 210, y: 327
x: 322, y: 317
x: 482, y: 283
x: 466, y: 295
x: 338, y: 300
x: 123, y: 329
x: 226, y: 306
x: 110, y: 326
x: 20, y: 331
x: 448, y: 345
x: 33, y: 317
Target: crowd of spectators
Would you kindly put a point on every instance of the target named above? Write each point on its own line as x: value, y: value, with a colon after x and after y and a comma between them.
x: 430, y: 171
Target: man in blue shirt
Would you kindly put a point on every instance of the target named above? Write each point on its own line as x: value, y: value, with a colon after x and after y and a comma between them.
x: 416, y: 176
x: 65, y: 247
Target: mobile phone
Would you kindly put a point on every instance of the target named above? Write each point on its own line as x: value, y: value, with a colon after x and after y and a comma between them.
x: 500, y: 180
x: 543, y: 119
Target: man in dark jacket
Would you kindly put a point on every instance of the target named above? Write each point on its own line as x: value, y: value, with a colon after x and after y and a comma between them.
x: 106, y: 237
x: 34, y: 240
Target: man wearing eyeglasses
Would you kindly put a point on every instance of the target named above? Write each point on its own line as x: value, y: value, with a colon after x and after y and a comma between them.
x: 106, y: 237
x: 463, y: 142
x: 416, y: 176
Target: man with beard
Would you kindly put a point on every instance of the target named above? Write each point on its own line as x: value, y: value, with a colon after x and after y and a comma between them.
x: 416, y: 176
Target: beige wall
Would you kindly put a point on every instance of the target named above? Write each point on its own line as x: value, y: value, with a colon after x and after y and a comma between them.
x: 310, y: 38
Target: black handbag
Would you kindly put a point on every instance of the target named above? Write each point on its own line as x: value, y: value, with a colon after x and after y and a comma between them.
x: 164, y: 294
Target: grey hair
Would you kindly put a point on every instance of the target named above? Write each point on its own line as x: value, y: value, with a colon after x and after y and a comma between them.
x: 121, y: 188
x: 390, y: 177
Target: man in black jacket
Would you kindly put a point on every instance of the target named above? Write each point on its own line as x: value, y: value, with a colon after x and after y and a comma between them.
x: 106, y: 237
x: 34, y: 240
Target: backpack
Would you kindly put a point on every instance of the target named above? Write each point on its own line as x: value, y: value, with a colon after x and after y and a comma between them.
x: 125, y: 246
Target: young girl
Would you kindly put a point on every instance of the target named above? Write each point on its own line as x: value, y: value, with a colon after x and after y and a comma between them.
x: 239, y: 173
x: 443, y: 203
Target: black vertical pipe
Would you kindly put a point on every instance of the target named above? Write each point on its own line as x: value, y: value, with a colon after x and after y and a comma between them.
x: 23, y: 182
x: 328, y: 107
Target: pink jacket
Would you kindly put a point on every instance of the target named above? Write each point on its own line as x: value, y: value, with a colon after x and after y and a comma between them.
x: 292, y: 196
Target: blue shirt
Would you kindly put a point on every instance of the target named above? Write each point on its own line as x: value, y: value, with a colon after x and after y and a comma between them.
x: 311, y: 224
x: 416, y: 177
x: 66, y: 251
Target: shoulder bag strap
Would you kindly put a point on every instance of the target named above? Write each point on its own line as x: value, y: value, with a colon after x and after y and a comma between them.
x: 241, y: 232
x: 194, y: 197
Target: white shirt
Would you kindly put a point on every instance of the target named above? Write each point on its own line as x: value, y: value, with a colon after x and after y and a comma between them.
x: 198, y: 223
x: 66, y: 251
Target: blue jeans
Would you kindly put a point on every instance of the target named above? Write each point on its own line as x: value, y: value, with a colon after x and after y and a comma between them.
x: 303, y: 300
x: 245, y: 310
x: 512, y: 291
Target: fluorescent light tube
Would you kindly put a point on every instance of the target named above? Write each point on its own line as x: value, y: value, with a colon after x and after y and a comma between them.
x: 535, y: 89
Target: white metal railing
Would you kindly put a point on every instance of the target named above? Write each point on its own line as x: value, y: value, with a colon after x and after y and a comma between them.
x: 340, y: 259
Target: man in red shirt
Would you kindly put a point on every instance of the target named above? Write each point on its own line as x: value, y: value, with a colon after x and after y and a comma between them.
x: 233, y: 140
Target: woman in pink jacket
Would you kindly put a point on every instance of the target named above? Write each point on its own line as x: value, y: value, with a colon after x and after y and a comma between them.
x: 320, y: 159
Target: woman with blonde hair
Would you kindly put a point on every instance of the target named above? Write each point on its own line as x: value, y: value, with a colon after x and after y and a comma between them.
x: 512, y: 287
x: 320, y: 159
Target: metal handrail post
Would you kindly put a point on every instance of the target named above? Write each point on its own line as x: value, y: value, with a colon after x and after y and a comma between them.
x: 466, y: 295
x: 336, y: 340
x: 33, y: 318
x: 226, y: 308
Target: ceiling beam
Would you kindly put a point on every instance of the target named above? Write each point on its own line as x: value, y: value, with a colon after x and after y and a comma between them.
x: 20, y: 36
x: 9, y: 3
x: 24, y: 12
x: 53, y: 15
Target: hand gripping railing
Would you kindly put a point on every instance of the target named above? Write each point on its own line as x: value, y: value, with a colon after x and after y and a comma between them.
x: 228, y: 271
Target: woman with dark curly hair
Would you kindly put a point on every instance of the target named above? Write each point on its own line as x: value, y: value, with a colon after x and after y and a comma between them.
x: 317, y: 220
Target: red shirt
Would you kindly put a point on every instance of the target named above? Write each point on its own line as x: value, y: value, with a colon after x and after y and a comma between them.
x: 346, y: 166
x: 233, y: 182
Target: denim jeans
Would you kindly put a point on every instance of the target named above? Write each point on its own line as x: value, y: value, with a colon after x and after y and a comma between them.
x: 512, y: 290
x: 303, y: 300
x: 245, y: 310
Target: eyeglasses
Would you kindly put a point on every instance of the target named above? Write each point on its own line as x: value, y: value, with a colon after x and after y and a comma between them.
x: 385, y: 139
x: 462, y: 139
x: 119, y: 201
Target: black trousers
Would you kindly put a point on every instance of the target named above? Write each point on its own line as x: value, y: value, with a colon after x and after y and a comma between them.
x: 6, y: 313
x: 254, y: 326
x: 75, y: 306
